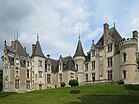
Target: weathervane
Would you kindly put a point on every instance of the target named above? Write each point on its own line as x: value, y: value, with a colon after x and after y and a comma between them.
x: 37, y: 36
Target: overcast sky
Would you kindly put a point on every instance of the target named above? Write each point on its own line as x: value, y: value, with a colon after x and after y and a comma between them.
x: 57, y: 22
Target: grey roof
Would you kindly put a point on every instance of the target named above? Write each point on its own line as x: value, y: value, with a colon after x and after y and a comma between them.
x: 79, y: 50
x: 116, y: 37
x: 38, y: 50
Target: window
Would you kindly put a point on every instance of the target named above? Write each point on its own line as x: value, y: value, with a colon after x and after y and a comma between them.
x: 27, y: 73
x: 86, y: 77
x: 40, y: 63
x: 124, y: 74
x: 86, y: 67
x: 48, y: 67
x: 49, y: 78
x: 110, y: 75
x: 93, y: 65
x: 110, y: 47
x: 40, y: 74
x: 124, y: 57
x: 110, y: 62
x: 60, y: 77
x: 77, y: 67
x: 28, y: 84
x: 32, y: 74
x: 27, y: 63
x: 16, y: 83
x: 17, y: 61
x: 17, y: 72
x: 93, y: 77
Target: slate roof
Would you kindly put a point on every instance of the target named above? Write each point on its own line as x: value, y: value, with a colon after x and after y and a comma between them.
x: 79, y: 50
x: 38, y: 50
x: 116, y: 37
x: 68, y: 64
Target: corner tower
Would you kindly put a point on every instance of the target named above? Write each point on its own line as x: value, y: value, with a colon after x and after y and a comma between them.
x: 38, y: 66
x: 79, y: 58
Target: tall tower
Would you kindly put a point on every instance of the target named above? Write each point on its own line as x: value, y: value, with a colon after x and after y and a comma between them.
x: 38, y: 66
x: 79, y: 58
x: 128, y: 56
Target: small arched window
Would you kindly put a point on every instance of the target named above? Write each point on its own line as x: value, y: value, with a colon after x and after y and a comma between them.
x: 124, y: 57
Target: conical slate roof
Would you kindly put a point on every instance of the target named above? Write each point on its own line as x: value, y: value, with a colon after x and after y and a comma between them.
x: 38, y: 50
x: 79, y: 50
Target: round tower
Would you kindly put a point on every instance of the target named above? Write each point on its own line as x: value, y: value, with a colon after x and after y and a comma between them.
x: 128, y: 55
x: 79, y: 58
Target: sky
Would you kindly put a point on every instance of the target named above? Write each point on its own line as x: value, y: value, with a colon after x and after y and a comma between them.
x: 59, y: 22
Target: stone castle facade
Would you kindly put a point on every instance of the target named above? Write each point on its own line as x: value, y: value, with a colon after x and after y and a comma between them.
x: 111, y: 59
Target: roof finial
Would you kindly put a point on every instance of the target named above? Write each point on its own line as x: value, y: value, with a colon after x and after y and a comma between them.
x: 114, y: 24
x: 37, y: 36
x: 17, y: 33
x: 92, y: 41
x: 79, y: 32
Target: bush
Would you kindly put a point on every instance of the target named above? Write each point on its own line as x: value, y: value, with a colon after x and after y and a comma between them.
x: 73, y: 82
x: 120, y: 82
x: 62, y: 84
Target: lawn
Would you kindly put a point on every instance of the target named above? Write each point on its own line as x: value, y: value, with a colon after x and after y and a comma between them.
x: 91, y: 94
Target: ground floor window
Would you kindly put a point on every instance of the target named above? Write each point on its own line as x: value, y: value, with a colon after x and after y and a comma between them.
x: 28, y: 84
x: 40, y: 86
x: 16, y: 83
x: 48, y: 78
x: 93, y: 77
x: 86, y: 77
x: 110, y: 75
x: 124, y: 74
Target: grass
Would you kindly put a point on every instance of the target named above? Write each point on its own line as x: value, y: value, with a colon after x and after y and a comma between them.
x: 91, y: 94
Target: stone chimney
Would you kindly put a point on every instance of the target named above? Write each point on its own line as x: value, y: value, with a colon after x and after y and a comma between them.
x: 106, y: 32
x: 14, y: 45
x: 135, y: 34
x: 33, y: 48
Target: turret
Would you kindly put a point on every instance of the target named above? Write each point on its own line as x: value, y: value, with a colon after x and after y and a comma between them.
x: 79, y: 58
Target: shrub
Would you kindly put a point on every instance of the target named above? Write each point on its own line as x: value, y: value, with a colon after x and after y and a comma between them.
x: 120, y: 82
x: 62, y: 84
x: 73, y: 82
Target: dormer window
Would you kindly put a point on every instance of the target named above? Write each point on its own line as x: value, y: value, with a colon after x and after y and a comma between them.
x: 110, y: 47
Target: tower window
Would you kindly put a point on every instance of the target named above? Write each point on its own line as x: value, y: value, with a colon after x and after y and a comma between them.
x: 27, y: 73
x: 40, y: 74
x: 93, y: 65
x: 77, y: 67
x: 40, y: 63
x: 124, y: 74
x: 124, y: 57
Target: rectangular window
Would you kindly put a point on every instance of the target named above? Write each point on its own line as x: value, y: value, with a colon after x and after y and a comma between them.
x: 17, y: 72
x: 32, y: 74
x: 110, y: 75
x: 86, y: 67
x: 60, y: 77
x: 124, y: 74
x: 40, y: 63
x: 93, y: 77
x: 27, y: 63
x: 40, y: 74
x: 27, y: 73
x: 16, y: 83
x: 110, y: 47
x: 76, y: 67
x: 93, y: 65
x: 48, y: 67
x: 48, y: 78
x: 28, y: 84
x: 86, y: 77
x: 110, y: 62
